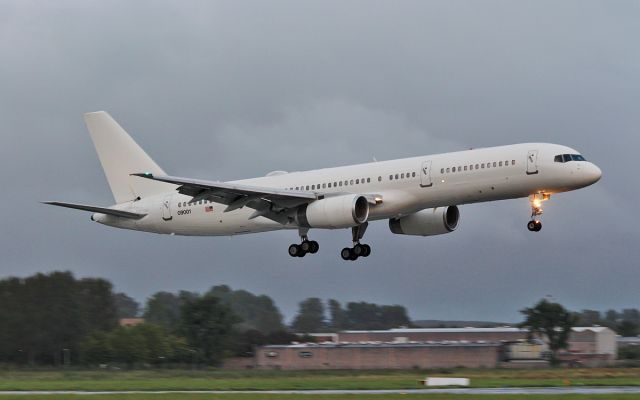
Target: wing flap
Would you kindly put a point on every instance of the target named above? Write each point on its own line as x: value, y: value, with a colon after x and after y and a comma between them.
x: 96, y: 209
x: 235, y: 195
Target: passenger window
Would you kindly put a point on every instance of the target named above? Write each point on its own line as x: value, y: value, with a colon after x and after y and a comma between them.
x: 313, y: 187
x: 413, y: 174
x: 329, y: 185
x: 379, y: 179
x: 179, y: 204
x: 324, y: 185
x: 351, y: 182
x: 402, y: 176
x: 340, y: 183
x: 465, y: 167
x: 357, y: 181
x: 346, y: 183
x: 390, y: 177
x: 307, y: 187
x: 442, y: 170
x: 500, y: 164
x: 477, y: 165
x: 494, y: 164
x: 448, y: 170
x: 396, y: 176
x: 482, y: 165
x: 513, y: 162
x: 368, y: 180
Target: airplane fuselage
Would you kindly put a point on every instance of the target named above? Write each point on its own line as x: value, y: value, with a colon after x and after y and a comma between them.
x: 403, y: 187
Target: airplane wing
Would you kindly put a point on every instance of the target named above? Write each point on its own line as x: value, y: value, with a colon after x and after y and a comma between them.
x: 101, y: 210
x: 268, y: 202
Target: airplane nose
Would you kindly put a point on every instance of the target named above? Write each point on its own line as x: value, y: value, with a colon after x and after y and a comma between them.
x: 593, y: 173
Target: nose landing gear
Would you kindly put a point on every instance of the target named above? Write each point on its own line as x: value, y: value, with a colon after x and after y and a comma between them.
x: 358, y: 249
x: 536, y: 210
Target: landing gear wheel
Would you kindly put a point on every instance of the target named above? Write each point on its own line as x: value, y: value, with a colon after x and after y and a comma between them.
x: 534, y: 226
x: 314, y: 247
x: 306, y: 246
x: 367, y: 250
x: 295, y: 250
x: 346, y: 254
x: 358, y: 250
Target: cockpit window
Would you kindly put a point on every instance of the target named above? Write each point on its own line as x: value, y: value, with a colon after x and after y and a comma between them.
x: 563, y: 158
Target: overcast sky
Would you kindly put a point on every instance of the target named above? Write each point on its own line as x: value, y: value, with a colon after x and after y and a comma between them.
x: 235, y: 89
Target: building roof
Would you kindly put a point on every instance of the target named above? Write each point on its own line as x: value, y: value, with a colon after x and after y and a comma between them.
x: 450, y: 343
x: 506, y: 329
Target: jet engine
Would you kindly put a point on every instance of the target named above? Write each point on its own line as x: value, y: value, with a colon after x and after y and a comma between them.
x: 334, y: 212
x: 431, y: 221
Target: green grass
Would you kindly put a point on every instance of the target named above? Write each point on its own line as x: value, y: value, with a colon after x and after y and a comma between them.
x: 304, y: 380
x: 319, y: 397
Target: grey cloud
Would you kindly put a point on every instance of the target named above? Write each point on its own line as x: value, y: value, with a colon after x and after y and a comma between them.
x: 234, y: 89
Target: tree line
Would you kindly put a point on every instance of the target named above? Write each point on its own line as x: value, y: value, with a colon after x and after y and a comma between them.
x: 56, y: 319
x: 625, y: 322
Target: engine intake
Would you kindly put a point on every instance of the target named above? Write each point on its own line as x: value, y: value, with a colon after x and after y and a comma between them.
x: 334, y: 212
x: 431, y: 221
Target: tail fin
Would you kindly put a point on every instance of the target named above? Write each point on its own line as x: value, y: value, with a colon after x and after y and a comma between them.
x: 121, y: 156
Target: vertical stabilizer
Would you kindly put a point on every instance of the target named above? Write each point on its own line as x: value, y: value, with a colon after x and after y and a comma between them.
x: 121, y: 156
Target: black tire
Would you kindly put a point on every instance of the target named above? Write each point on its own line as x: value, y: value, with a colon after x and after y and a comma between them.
x: 538, y: 226
x: 354, y: 256
x: 295, y: 250
x: 367, y: 250
x: 306, y: 246
x: 345, y: 254
x: 531, y: 226
x: 314, y: 247
x: 358, y: 250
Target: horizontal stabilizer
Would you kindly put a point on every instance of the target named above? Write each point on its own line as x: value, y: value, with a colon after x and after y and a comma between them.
x: 101, y: 210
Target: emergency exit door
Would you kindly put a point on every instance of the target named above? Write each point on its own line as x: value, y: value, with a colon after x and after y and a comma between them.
x: 532, y: 162
x: 425, y: 174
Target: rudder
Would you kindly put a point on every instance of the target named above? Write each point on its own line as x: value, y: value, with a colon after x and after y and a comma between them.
x: 121, y: 156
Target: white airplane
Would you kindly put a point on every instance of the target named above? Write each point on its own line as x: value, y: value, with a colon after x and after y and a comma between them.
x: 418, y: 195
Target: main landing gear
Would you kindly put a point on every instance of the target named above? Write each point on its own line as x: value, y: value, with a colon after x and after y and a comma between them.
x: 358, y: 249
x: 307, y: 246
x: 536, y: 211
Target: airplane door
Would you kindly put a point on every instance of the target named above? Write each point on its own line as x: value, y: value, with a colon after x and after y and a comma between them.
x: 166, y: 208
x: 425, y: 174
x: 532, y: 162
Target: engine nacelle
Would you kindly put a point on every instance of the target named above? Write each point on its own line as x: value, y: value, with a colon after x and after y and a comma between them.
x: 432, y: 221
x: 334, y: 212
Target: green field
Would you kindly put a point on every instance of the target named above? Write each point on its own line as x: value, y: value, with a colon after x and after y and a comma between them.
x: 318, y: 397
x: 305, y: 380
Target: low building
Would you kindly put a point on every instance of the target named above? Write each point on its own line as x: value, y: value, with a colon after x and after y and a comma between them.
x: 435, y: 348
x: 378, y: 355
x: 130, y: 321
x: 596, y: 340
